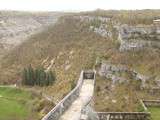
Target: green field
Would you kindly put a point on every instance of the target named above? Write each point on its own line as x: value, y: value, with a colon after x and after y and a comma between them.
x: 155, y: 112
x: 14, y: 104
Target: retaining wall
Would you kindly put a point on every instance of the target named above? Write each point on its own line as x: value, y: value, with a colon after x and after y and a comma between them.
x: 123, y: 115
x: 154, y: 91
x: 152, y: 103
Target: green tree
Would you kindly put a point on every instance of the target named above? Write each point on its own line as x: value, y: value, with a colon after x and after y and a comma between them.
x: 51, y: 78
x: 24, y: 76
x: 31, y: 75
x: 37, y: 76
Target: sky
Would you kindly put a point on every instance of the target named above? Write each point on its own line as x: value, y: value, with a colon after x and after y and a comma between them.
x: 77, y: 5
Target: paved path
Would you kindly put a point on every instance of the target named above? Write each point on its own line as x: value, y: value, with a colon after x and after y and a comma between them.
x: 74, y: 111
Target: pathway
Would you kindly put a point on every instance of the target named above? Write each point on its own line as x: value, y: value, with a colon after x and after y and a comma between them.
x: 86, y: 92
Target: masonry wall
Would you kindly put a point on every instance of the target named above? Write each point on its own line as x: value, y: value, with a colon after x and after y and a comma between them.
x: 152, y: 103
x: 123, y: 115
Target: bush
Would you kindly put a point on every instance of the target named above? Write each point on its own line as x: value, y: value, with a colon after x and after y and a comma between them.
x: 98, y: 89
x: 140, y: 108
x: 96, y: 23
x: 37, y: 76
x: 73, y: 85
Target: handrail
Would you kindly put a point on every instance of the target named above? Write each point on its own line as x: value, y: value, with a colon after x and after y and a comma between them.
x: 60, y: 108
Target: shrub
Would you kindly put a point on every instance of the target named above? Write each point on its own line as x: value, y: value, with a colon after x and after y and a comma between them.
x: 98, y: 89
x: 95, y: 23
x: 140, y: 108
x: 73, y: 85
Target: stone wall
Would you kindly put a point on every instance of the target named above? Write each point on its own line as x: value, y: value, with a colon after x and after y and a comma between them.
x: 152, y: 103
x: 138, y: 37
x: 123, y: 115
x: 64, y: 104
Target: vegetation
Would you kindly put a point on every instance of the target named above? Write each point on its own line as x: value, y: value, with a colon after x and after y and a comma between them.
x: 71, y: 43
x: 37, y: 76
x: 73, y: 85
x: 96, y: 23
x: 16, y: 104
x: 120, y: 97
x: 131, y: 17
x: 140, y: 108
x: 155, y: 113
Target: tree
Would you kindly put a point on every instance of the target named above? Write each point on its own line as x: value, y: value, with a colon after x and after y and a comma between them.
x: 24, y: 76
x: 31, y: 75
x: 51, y: 77
x: 37, y: 76
x: 42, y: 77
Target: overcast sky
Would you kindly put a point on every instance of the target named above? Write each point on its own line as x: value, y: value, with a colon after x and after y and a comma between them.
x: 77, y: 5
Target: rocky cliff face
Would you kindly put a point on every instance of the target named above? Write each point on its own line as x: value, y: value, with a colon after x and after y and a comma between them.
x: 138, y: 37
x: 121, y: 74
x: 97, y: 24
x: 15, y: 27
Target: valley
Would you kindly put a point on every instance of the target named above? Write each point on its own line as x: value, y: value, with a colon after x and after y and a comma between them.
x: 122, y: 46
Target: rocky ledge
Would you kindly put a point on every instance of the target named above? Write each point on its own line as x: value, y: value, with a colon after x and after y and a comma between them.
x: 139, y: 37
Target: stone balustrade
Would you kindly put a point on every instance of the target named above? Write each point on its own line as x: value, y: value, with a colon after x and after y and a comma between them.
x: 123, y: 115
x: 152, y: 103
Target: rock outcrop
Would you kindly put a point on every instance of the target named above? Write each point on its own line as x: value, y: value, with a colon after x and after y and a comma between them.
x: 114, y: 72
x: 102, y: 30
x: 139, y: 37
x: 93, y: 18
x: 97, y: 24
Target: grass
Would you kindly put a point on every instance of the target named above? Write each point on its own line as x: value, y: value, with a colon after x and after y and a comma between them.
x: 126, y: 94
x: 123, y: 94
x: 14, y: 104
x: 12, y: 109
x: 14, y: 93
x: 155, y: 113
